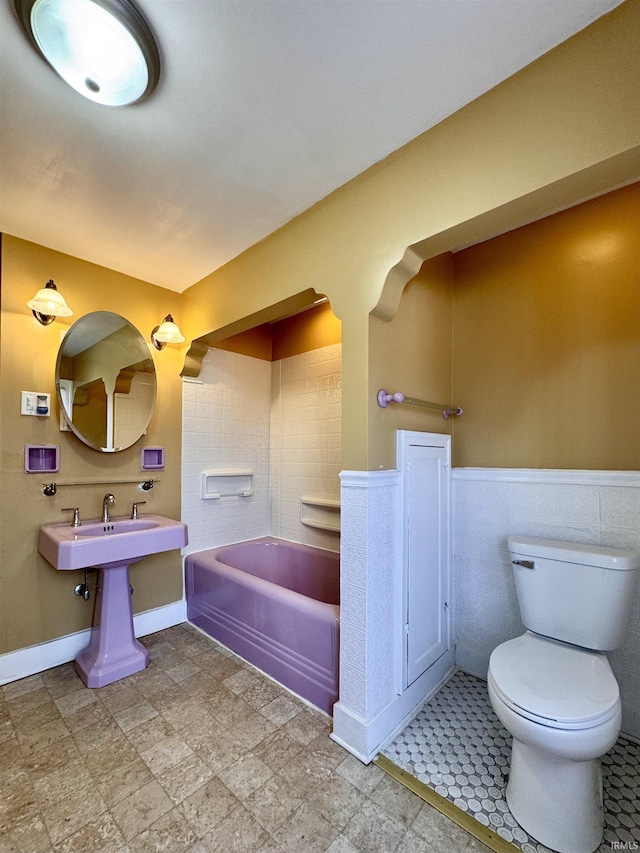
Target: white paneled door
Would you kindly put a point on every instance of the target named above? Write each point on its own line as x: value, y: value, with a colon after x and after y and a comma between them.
x: 424, y: 460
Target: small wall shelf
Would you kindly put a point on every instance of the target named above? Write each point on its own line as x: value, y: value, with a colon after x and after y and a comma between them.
x: 152, y: 459
x: 226, y: 483
x: 322, y: 513
x: 41, y: 458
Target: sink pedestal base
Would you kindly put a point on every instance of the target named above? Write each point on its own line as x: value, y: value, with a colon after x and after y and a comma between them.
x: 113, y: 652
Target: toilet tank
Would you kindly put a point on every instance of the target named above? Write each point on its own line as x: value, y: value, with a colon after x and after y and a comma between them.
x: 580, y: 594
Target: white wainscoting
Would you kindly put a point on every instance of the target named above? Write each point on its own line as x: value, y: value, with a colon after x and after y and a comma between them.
x: 370, y: 710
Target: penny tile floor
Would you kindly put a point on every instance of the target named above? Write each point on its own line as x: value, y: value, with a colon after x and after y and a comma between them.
x: 458, y: 747
x: 199, y: 753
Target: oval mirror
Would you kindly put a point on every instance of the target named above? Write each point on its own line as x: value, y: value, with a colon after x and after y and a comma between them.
x: 105, y: 381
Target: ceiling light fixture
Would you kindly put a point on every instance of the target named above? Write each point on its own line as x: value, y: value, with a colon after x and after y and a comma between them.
x: 166, y: 333
x: 48, y: 304
x: 104, y: 49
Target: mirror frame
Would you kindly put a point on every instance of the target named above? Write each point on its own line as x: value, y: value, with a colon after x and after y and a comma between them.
x: 113, y: 338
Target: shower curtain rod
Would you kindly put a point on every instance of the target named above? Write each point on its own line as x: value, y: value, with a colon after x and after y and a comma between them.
x: 385, y: 398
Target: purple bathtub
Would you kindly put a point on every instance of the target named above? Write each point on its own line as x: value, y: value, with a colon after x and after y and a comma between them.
x: 276, y: 604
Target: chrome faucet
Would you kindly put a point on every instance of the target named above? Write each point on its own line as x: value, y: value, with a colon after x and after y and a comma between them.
x: 107, y: 501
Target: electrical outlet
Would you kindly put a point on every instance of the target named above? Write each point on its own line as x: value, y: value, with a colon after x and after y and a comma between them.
x: 33, y: 403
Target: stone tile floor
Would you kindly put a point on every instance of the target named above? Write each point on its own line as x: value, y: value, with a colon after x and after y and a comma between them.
x: 199, y: 753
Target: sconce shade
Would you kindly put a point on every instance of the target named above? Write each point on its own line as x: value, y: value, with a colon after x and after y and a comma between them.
x: 48, y: 304
x: 166, y: 333
x: 103, y: 49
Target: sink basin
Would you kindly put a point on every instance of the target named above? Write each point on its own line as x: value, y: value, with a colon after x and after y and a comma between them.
x: 100, y: 545
x: 117, y: 525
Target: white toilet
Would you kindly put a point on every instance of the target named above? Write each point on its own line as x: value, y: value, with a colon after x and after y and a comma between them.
x: 553, y: 688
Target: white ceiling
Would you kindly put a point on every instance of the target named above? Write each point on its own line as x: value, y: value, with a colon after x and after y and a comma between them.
x: 263, y: 108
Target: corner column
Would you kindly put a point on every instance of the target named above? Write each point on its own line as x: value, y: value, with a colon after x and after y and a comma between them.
x: 370, y: 596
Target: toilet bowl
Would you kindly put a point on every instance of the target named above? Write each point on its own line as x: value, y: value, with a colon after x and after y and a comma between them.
x: 553, y: 688
x: 562, y: 706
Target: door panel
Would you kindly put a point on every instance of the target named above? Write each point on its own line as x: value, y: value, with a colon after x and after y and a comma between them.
x: 426, y: 555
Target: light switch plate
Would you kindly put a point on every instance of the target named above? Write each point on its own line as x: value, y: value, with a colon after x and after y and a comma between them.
x: 34, y: 403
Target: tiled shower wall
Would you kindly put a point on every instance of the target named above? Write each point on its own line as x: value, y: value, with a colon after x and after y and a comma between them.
x: 281, y: 420
x: 225, y: 424
x: 600, y: 508
x: 305, y: 440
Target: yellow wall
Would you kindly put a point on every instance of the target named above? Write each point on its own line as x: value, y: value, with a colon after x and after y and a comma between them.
x: 546, y: 357
x: 314, y: 328
x: 256, y: 343
x: 318, y: 327
x: 412, y: 354
x: 37, y: 602
x: 562, y: 129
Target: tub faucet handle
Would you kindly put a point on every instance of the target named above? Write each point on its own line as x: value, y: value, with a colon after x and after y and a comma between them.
x: 76, y: 514
x: 134, y: 509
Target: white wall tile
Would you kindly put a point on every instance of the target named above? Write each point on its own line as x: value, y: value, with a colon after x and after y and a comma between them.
x: 231, y: 400
x: 576, y: 506
x: 305, y: 440
x: 244, y: 412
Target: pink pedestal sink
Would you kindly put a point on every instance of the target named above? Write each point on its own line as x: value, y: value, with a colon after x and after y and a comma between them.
x: 113, y: 652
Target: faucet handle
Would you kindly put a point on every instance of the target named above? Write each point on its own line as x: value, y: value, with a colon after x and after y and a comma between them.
x: 76, y: 514
x: 134, y: 510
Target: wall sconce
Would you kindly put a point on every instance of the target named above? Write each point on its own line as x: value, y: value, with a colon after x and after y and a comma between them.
x: 48, y: 304
x: 103, y: 49
x: 166, y: 333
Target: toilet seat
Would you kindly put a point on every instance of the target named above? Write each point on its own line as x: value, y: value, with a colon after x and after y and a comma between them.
x: 553, y: 683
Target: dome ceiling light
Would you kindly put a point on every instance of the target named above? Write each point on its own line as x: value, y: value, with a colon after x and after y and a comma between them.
x: 104, y: 49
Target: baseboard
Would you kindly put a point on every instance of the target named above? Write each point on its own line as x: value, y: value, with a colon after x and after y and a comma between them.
x: 32, y: 659
x: 364, y: 738
x: 160, y: 618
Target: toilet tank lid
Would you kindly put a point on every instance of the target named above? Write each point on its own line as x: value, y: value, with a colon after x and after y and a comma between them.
x: 575, y: 552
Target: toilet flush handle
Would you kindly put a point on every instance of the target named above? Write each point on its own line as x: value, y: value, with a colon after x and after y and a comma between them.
x: 526, y: 564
